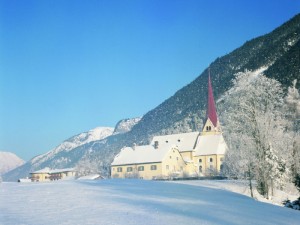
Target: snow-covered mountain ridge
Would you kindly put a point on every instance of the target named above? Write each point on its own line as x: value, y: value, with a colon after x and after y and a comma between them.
x: 9, y: 161
x: 95, y: 134
x: 126, y: 125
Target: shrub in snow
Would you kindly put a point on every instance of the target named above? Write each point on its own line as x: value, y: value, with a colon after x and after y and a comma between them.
x: 293, y: 205
x: 134, y: 175
x: 296, y: 181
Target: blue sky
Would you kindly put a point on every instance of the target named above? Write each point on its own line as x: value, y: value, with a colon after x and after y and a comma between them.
x: 69, y: 66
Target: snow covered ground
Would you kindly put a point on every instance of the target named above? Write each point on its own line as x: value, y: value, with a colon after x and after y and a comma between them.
x: 242, y: 187
x: 132, y: 202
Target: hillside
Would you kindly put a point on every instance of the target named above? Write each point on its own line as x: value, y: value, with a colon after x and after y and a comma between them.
x: 276, y: 52
x: 114, y: 201
x: 9, y: 161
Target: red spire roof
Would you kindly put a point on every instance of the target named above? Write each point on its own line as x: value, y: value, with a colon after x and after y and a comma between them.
x: 211, y: 108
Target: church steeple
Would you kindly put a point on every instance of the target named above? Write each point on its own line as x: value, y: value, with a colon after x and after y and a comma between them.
x: 212, y: 125
x: 211, y: 108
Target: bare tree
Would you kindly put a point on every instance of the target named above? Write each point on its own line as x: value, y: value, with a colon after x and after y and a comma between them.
x: 255, y: 131
x: 293, y: 103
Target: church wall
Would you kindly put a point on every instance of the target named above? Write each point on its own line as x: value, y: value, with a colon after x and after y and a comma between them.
x: 208, y: 163
x: 220, y: 159
x: 173, y: 164
x: 150, y: 171
x: 209, y: 128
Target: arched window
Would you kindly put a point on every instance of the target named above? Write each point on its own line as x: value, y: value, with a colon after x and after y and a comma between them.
x: 208, y: 128
x: 210, y: 159
x: 200, y: 169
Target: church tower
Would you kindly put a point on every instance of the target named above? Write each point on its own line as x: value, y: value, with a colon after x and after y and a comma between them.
x: 212, y: 125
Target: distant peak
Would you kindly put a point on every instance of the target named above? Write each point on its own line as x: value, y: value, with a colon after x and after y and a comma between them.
x: 126, y: 125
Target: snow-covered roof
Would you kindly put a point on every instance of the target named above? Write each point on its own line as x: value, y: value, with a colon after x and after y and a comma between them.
x: 48, y: 170
x: 183, y: 141
x: 202, y: 145
x: 141, y: 154
x: 90, y: 177
x: 210, y: 145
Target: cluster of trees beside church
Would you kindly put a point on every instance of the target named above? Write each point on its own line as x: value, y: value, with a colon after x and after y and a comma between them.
x: 262, y: 130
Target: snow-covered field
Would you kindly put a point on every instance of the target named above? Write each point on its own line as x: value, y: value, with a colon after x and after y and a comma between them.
x: 242, y: 187
x: 133, y: 202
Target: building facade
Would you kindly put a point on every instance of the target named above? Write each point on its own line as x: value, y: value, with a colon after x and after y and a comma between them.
x: 48, y: 174
x: 177, y: 155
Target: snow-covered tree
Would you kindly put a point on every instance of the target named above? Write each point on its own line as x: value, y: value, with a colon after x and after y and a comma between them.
x: 255, y: 131
x: 293, y: 100
x: 293, y: 103
x: 87, y: 166
x: 277, y: 169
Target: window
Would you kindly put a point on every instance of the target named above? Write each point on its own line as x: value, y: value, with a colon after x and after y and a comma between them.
x: 200, y: 169
x: 129, y: 169
x: 167, y: 141
x: 221, y: 159
x: 141, y: 168
x: 211, y: 159
x: 200, y: 160
x: 177, y: 158
x: 153, y: 167
x: 170, y: 157
x: 178, y: 140
x: 221, y: 167
x: 119, y: 169
x: 167, y: 167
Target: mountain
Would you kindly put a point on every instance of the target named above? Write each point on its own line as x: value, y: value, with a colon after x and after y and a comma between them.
x: 9, y: 161
x: 59, y: 156
x: 126, y: 125
x: 276, y: 53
